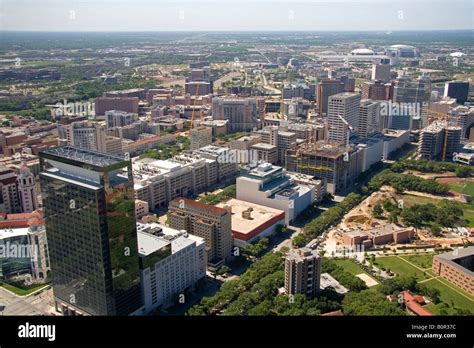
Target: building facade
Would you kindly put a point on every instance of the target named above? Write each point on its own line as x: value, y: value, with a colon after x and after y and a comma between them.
x: 91, y: 228
x: 302, y: 272
x: 211, y: 223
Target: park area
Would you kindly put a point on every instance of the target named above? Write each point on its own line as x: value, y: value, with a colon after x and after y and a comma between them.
x: 403, y: 267
x: 354, y: 269
x: 419, y: 266
x: 468, y: 208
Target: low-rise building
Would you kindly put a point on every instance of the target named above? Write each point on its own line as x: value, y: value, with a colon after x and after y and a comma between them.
x: 251, y: 221
x: 457, y: 267
x: 271, y: 186
x: 265, y: 152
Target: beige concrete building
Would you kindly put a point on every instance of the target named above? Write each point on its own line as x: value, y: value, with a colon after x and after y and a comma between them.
x: 244, y: 143
x: 302, y: 272
x: 265, y: 152
x: 141, y: 208
x: 200, y: 137
x: 158, y: 182
x: 205, y: 221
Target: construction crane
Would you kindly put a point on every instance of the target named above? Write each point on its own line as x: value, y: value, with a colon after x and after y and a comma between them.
x: 194, y: 107
x: 350, y: 128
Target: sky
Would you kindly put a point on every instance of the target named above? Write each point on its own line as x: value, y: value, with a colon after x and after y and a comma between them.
x: 235, y: 15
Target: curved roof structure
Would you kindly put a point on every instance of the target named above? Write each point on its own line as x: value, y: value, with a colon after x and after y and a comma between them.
x: 408, y: 47
x: 362, y: 52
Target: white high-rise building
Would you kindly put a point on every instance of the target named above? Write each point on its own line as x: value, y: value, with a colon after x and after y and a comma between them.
x: 347, y: 106
x: 171, y: 261
x: 27, y: 190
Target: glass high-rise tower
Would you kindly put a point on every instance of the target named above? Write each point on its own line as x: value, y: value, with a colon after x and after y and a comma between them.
x: 89, y: 208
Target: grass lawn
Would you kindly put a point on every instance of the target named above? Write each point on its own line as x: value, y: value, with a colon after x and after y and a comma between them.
x: 399, y: 267
x: 464, y: 187
x: 351, y: 267
x: 410, y: 200
x: 19, y: 291
x: 449, y: 297
x: 422, y: 261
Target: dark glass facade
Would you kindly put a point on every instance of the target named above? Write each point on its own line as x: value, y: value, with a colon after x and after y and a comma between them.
x: 91, y: 231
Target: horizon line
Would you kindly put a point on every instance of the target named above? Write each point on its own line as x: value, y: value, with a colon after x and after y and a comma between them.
x: 237, y: 31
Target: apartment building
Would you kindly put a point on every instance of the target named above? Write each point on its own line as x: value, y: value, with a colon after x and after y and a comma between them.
x: 302, y: 272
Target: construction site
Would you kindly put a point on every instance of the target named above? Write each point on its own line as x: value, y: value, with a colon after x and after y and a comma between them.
x: 361, y: 229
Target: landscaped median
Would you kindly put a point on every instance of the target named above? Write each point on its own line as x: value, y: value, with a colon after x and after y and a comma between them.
x: 18, y: 291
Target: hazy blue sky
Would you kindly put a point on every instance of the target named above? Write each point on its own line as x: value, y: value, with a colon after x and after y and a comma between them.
x: 233, y: 15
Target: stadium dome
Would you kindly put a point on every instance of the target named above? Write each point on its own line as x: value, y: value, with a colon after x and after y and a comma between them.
x: 406, y: 47
x: 457, y: 54
x: 362, y: 52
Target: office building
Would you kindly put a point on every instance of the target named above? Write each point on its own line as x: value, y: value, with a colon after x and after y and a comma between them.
x: 417, y: 94
x: 369, y: 118
x: 325, y: 89
x: 242, y: 114
x: 375, y: 90
x: 283, y: 140
x: 298, y: 90
x: 9, y: 198
x: 211, y: 223
x: 302, y: 272
x: 349, y: 83
x: 200, y: 136
x: 117, y: 118
x: 198, y: 88
x: 347, y: 106
x: 381, y: 72
x: 171, y: 262
x: 273, y: 187
x: 89, y: 135
x: 126, y: 104
x: 458, y: 90
x: 91, y: 229
x: 439, y: 141
x: 265, y: 152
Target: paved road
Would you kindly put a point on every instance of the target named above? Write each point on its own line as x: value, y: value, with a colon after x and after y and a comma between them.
x: 41, y: 304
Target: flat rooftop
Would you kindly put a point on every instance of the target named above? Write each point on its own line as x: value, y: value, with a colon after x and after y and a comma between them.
x: 261, y: 218
x: 82, y: 156
x: 148, y: 242
x: 458, y: 256
x: 263, y: 146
